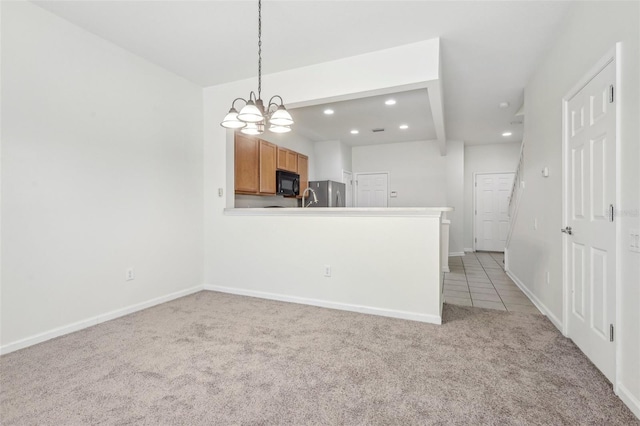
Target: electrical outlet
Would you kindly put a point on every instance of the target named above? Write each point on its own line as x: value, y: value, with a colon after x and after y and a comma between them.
x: 327, y: 270
x: 131, y: 274
x: 220, y: 192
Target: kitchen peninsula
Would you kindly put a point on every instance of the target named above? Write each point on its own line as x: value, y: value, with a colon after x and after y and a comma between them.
x: 382, y: 261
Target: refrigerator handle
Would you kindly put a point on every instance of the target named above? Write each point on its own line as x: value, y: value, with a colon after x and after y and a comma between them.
x: 337, y: 198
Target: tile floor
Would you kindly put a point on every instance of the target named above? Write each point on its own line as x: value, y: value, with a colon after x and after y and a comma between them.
x: 478, y: 279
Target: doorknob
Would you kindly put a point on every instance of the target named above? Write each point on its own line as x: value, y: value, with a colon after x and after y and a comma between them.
x: 567, y: 230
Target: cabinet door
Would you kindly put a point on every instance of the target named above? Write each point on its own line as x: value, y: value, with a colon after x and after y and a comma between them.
x: 303, y: 171
x: 282, y: 158
x: 287, y: 160
x: 246, y: 164
x: 268, y: 154
x: 292, y: 161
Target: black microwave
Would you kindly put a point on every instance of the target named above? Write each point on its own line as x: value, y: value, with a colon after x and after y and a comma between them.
x: 287, y: 183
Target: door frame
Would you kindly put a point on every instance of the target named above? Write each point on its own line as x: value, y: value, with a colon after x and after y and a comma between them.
x: 474, y: 187
x: 355, y: 192
x: 347, y: 184
x: 612, y: 56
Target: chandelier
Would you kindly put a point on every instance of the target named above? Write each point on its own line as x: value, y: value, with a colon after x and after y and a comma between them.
x: 253, y: 117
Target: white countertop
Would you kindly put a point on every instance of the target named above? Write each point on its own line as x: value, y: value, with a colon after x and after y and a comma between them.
x: 340, y: 211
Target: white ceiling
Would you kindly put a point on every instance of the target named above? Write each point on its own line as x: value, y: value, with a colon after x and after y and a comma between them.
x: 365, y: 114
x: 489, y: 48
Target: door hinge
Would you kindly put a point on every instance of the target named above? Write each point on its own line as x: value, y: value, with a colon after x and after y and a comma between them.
x: 476, y: 211
x: 611, y: 94
x: 476, y: 184
x: 476, y: 240
x: 611, y: 332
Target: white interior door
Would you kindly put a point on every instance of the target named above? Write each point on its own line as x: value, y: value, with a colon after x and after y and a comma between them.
x: 347, y: 179
x: 372, y: 189
x: 590, y: 190
x: 492, y: 210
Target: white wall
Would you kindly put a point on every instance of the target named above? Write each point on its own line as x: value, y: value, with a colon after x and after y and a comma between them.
x: 420, y: 176
x: 576, y: 51
x: 417, y: 171
x: 101, y: 171
x: 347, y: 158
x: 286, y: 261
x: 499, y: 157
x: 330, y: 159
x: 455, y: 195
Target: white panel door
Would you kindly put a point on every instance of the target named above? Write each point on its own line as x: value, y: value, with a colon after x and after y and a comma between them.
x: 347, y: 179
x: 372, y: 189
x: 492, y: 210
x: 590, y: 188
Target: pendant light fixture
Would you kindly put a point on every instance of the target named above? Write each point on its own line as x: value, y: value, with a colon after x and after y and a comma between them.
x: 253, y: 117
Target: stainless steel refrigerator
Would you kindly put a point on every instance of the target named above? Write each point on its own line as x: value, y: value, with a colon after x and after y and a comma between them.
x: 329, y: 193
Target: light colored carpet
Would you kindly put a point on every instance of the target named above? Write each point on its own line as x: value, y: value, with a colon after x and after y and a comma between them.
x: 213, y: 358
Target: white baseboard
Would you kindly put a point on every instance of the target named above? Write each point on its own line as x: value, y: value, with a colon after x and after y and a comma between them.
x: 90, y: 322
x: 413, y: 316
x: 468, y: 250
x: 541, y: 306
x: 629, y: 399
x: 456, y: 253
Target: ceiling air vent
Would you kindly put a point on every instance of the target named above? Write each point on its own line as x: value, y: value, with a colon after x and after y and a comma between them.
x: 377, y: 130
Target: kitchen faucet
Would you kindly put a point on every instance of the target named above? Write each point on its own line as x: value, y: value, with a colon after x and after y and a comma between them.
x: 315, y: 198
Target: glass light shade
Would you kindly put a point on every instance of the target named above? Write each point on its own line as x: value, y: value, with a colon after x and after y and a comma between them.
x: 250, y: 113
x: 253, y: 129
x: 279, y: 129
x: 231, y: 120
x: 281, y: 117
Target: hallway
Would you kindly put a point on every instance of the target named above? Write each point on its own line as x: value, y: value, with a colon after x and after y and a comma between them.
x: 478, y: 279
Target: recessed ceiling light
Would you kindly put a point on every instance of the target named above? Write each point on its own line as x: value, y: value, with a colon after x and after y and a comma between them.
x: 506, y: 134
x: 504, y: 105
x: 354, y: 132
x: 328, y: 111
x: 404, y: 127
x: 390, y: 102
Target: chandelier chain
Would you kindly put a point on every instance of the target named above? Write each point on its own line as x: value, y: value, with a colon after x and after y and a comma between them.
x: 259, y: 48
x: 254, y: 116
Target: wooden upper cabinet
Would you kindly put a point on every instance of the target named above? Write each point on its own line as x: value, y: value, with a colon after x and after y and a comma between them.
x: 268, y: 153
x: 256, y: 162
x: 287, y: 160
x: 247, y: 167
x: 303, y: 171
x: 292, y: 161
